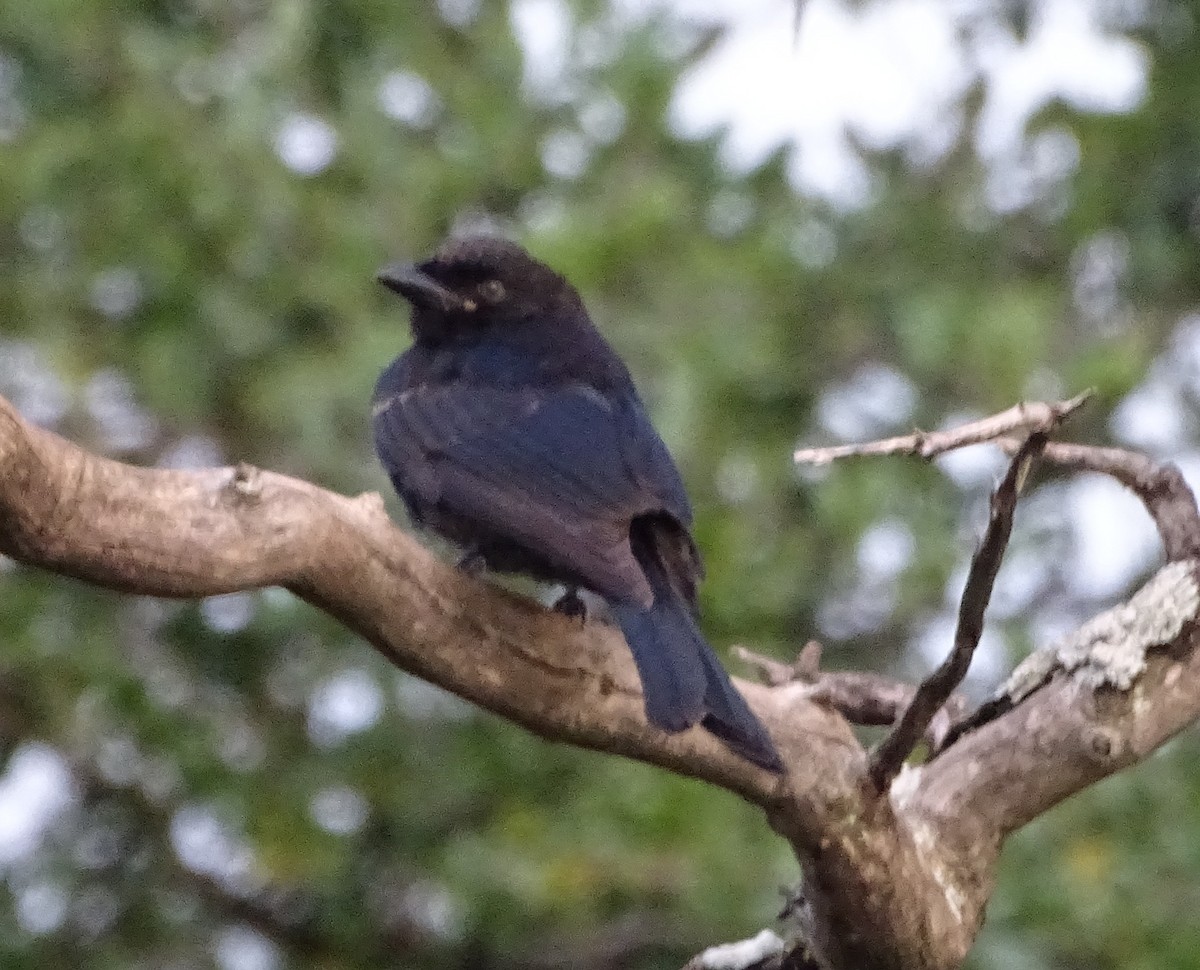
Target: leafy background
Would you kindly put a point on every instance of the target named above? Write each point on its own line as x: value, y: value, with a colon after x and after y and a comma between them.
x: 194, y: 196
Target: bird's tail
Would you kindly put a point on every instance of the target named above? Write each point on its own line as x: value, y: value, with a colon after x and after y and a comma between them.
x: 682, y: 680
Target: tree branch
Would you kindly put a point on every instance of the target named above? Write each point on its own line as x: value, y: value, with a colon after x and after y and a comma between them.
x: 1160, y: 487
x: 860, y: 696
x: 985, y: 564
x: 893, y: 879
x: 199, y: 533
x: 1029, y: 416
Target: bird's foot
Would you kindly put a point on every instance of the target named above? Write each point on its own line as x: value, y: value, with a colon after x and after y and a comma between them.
x: 472, y: 563
x: 571, y: 604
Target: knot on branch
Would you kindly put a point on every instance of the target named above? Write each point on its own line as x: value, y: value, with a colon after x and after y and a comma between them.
x: 245, y: 485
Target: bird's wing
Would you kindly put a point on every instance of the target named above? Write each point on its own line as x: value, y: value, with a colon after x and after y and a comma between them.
x: 561, y: 471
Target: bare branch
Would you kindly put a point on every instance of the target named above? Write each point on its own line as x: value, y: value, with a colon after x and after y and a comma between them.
x: 1161, y: 487
x: 860, y: 696
x: 197, y: 533
x: 895, y: 879
x: 806, y: 666
x: 1031, y: 417
x: 985, y: 564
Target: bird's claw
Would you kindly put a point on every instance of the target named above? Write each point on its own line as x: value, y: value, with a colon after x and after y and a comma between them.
x: 473, y: 564
x: 571, y: 604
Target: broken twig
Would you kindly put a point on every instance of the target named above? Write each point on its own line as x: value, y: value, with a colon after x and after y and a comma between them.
x: 1033, y: 416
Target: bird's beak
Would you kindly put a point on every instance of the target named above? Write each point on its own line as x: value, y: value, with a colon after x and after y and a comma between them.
x: 418, y: 287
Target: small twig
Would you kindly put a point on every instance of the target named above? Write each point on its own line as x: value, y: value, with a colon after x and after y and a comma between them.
x: 1034, y: 416
x: 1161, y: 488
x: 873, y: 700
x: 861, y: 697
x: 933, y: 692
x: 805, y: 667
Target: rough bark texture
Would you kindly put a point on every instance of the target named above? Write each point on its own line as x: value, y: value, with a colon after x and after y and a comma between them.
x: 897, y: 879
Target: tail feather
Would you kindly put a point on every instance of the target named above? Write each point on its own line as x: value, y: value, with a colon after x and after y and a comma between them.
x: 682, y: 680
x: 674, y: 679
x: 729, y: 717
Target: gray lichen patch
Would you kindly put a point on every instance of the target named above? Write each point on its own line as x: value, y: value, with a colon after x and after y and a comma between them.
x: 1110, y: 649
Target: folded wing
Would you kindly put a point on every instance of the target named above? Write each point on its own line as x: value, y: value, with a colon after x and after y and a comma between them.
x: 562, y: 471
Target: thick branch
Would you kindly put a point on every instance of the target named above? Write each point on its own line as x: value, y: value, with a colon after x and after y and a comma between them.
x: 198, y: 533
x: 892, y: 880
x: 1098, y: 701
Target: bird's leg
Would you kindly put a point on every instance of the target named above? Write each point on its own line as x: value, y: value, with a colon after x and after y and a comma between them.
x: 473, y: 563
x: 571, y: 604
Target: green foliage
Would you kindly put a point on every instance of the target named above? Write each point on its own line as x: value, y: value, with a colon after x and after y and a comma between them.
x: 172, y: 290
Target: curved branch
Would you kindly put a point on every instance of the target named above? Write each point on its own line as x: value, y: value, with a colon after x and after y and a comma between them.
x: 198, y: 533
x: 892, y: 879
x: 1161, y: 488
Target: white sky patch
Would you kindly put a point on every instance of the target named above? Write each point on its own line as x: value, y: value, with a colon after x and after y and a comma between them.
x: 875, y: 399
x: 205, y: 844
x: 1188, y: 464
x: 1152, y: 417
x: 886, y: 73
x: 408, y: 98
x: 41, y: 908
x: 228, y: 612
x: 116, y: 292
x: 347, y: 703
x: 339, y: 810
x: 816, y: 75
x: 1183, y: 357
x: 885, y: 550
x: 432, y: 907
x: 863, y: 608
x: 243, y: 948
x: 935, y: 639
x: 1066, y: 54
x: 306, y: 144
x: 112, y: 403
x: 35, y: 789
x: 1098, y: 270
x: 28, y: 380
x: 975, y: 467
x: 1051, y: 623
x: 192, y: 451
x: 544, y: 30
x: 1023, y: 575
x: 1114, y: 539
x: 602, y: 118
x: 565, y: 154
x: 458, y: 13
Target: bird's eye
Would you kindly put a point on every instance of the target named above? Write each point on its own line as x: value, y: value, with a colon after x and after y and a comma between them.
x: 492, y: 291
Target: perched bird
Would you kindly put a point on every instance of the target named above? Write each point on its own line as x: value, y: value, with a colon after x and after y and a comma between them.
x: 512, y: 429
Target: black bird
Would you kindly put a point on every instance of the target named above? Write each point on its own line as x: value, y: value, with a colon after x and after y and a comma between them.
x: 513, y: 429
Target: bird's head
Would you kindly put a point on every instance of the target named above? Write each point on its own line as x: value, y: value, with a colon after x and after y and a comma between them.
x: 478, y: 282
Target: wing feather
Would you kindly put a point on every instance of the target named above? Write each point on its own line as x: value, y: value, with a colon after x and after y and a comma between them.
x: 548, y: 468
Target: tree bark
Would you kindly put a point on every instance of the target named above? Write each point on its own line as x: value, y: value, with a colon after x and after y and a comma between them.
x: 893, y: 879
